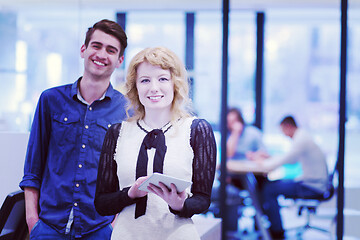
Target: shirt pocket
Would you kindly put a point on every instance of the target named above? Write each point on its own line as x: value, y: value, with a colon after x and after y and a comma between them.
x: 65, y: 128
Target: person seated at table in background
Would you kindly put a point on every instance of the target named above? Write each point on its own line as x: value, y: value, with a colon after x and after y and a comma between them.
x: 243, y: 139
x: 162, y: 136
x: 244, y: 142
x: 312, y: 182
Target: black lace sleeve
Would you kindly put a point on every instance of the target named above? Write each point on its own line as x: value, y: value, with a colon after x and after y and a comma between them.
x: 109, y: 199
x: 202, y: 141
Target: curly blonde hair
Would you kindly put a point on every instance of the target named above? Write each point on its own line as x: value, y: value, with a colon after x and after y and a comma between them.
x: 166, y: 59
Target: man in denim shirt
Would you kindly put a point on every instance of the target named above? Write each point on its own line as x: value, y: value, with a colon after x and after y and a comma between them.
x: 65, y: 143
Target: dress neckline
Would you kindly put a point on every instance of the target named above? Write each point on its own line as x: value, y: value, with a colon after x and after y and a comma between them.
x: 148, y: 129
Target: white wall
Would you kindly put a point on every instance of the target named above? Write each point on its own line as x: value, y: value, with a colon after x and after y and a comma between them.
x: 12, y: 156
x: 352, y: 212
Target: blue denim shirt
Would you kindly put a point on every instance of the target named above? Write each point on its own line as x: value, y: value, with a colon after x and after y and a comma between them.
x: 63, y: 154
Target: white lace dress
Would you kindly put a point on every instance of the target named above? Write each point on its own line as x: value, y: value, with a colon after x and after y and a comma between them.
x: 159, y: 221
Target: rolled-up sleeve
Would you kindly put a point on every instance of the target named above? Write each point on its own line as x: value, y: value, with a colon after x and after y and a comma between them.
x: 37, y: 146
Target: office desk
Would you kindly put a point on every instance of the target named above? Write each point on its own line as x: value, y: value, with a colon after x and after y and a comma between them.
x: 245, y: 170
x: 245, y: 166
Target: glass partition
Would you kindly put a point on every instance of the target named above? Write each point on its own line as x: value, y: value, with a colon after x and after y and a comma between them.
x: 302, y: 52
x: 155, y: 28
x: 42, y: 50
x: 208, y: 55
x: 352, y: 136
x: 301, y: 64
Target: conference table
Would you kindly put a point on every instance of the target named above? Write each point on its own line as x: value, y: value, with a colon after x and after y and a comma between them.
x: 245, y: 166
x: 246, y: 170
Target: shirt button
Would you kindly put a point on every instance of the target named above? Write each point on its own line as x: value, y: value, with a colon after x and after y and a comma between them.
x: 75, y: 204
x: 86, y: 126
x: 90, y: 108
x: 83, y: 146
x: 77, y: 185
x: 80, y: 165
x: 65, y: 119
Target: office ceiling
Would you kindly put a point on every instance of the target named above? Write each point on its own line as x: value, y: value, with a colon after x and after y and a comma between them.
x: 175, y: 4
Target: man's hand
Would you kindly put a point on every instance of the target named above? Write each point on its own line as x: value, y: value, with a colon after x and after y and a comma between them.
x: 31, y: 206
x: 258, y: 156
x: 31, y: 221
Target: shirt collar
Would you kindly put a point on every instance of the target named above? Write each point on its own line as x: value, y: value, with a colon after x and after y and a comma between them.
x: 75, y: 91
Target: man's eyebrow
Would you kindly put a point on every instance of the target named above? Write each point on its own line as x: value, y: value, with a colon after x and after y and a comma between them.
x: 109, y: 46
x: 114, y: 48
x: 99, y: 43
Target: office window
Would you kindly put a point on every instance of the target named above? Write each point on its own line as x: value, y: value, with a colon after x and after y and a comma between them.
x: 155, y: 28
x: 301, y: 68
x: 207, y: 73
x: 302, y: 74
x: 42, y: 51
x: 352, y: 136
x: 208, y: 63
x: 242, y: 62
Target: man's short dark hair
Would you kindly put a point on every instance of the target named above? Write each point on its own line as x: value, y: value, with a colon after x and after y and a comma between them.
x: 109, y: 27
x: 289, y: 120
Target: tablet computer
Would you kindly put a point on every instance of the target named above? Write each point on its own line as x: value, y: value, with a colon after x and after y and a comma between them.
x: 155, y: 178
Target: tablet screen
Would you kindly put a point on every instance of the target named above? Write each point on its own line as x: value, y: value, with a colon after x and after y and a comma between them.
x: 180, y: 184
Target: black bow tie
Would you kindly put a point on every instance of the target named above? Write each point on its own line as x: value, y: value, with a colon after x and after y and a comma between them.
x: 154, y: 139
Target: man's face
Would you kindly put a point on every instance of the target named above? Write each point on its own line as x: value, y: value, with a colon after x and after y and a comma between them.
x: 286, y: 129
x: 101, y: 56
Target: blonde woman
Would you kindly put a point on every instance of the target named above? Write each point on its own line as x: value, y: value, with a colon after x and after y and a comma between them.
x: 161, y: 136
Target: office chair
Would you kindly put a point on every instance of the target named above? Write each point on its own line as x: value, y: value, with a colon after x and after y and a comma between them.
x: 237, y: 202
x: 12, y: 217
x: 310, y: 205
x: 234, y: 201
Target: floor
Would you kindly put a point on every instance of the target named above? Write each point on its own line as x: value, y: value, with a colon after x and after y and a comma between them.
x: 325, y: 218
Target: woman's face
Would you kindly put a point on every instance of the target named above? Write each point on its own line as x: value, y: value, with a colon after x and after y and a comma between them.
x: 155, y: 87
x: 233, y: 123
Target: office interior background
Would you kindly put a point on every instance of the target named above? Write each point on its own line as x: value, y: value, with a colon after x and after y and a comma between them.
x: 41, y: 40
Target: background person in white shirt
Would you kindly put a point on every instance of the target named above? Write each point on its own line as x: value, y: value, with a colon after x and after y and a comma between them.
x: 312, y: 182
